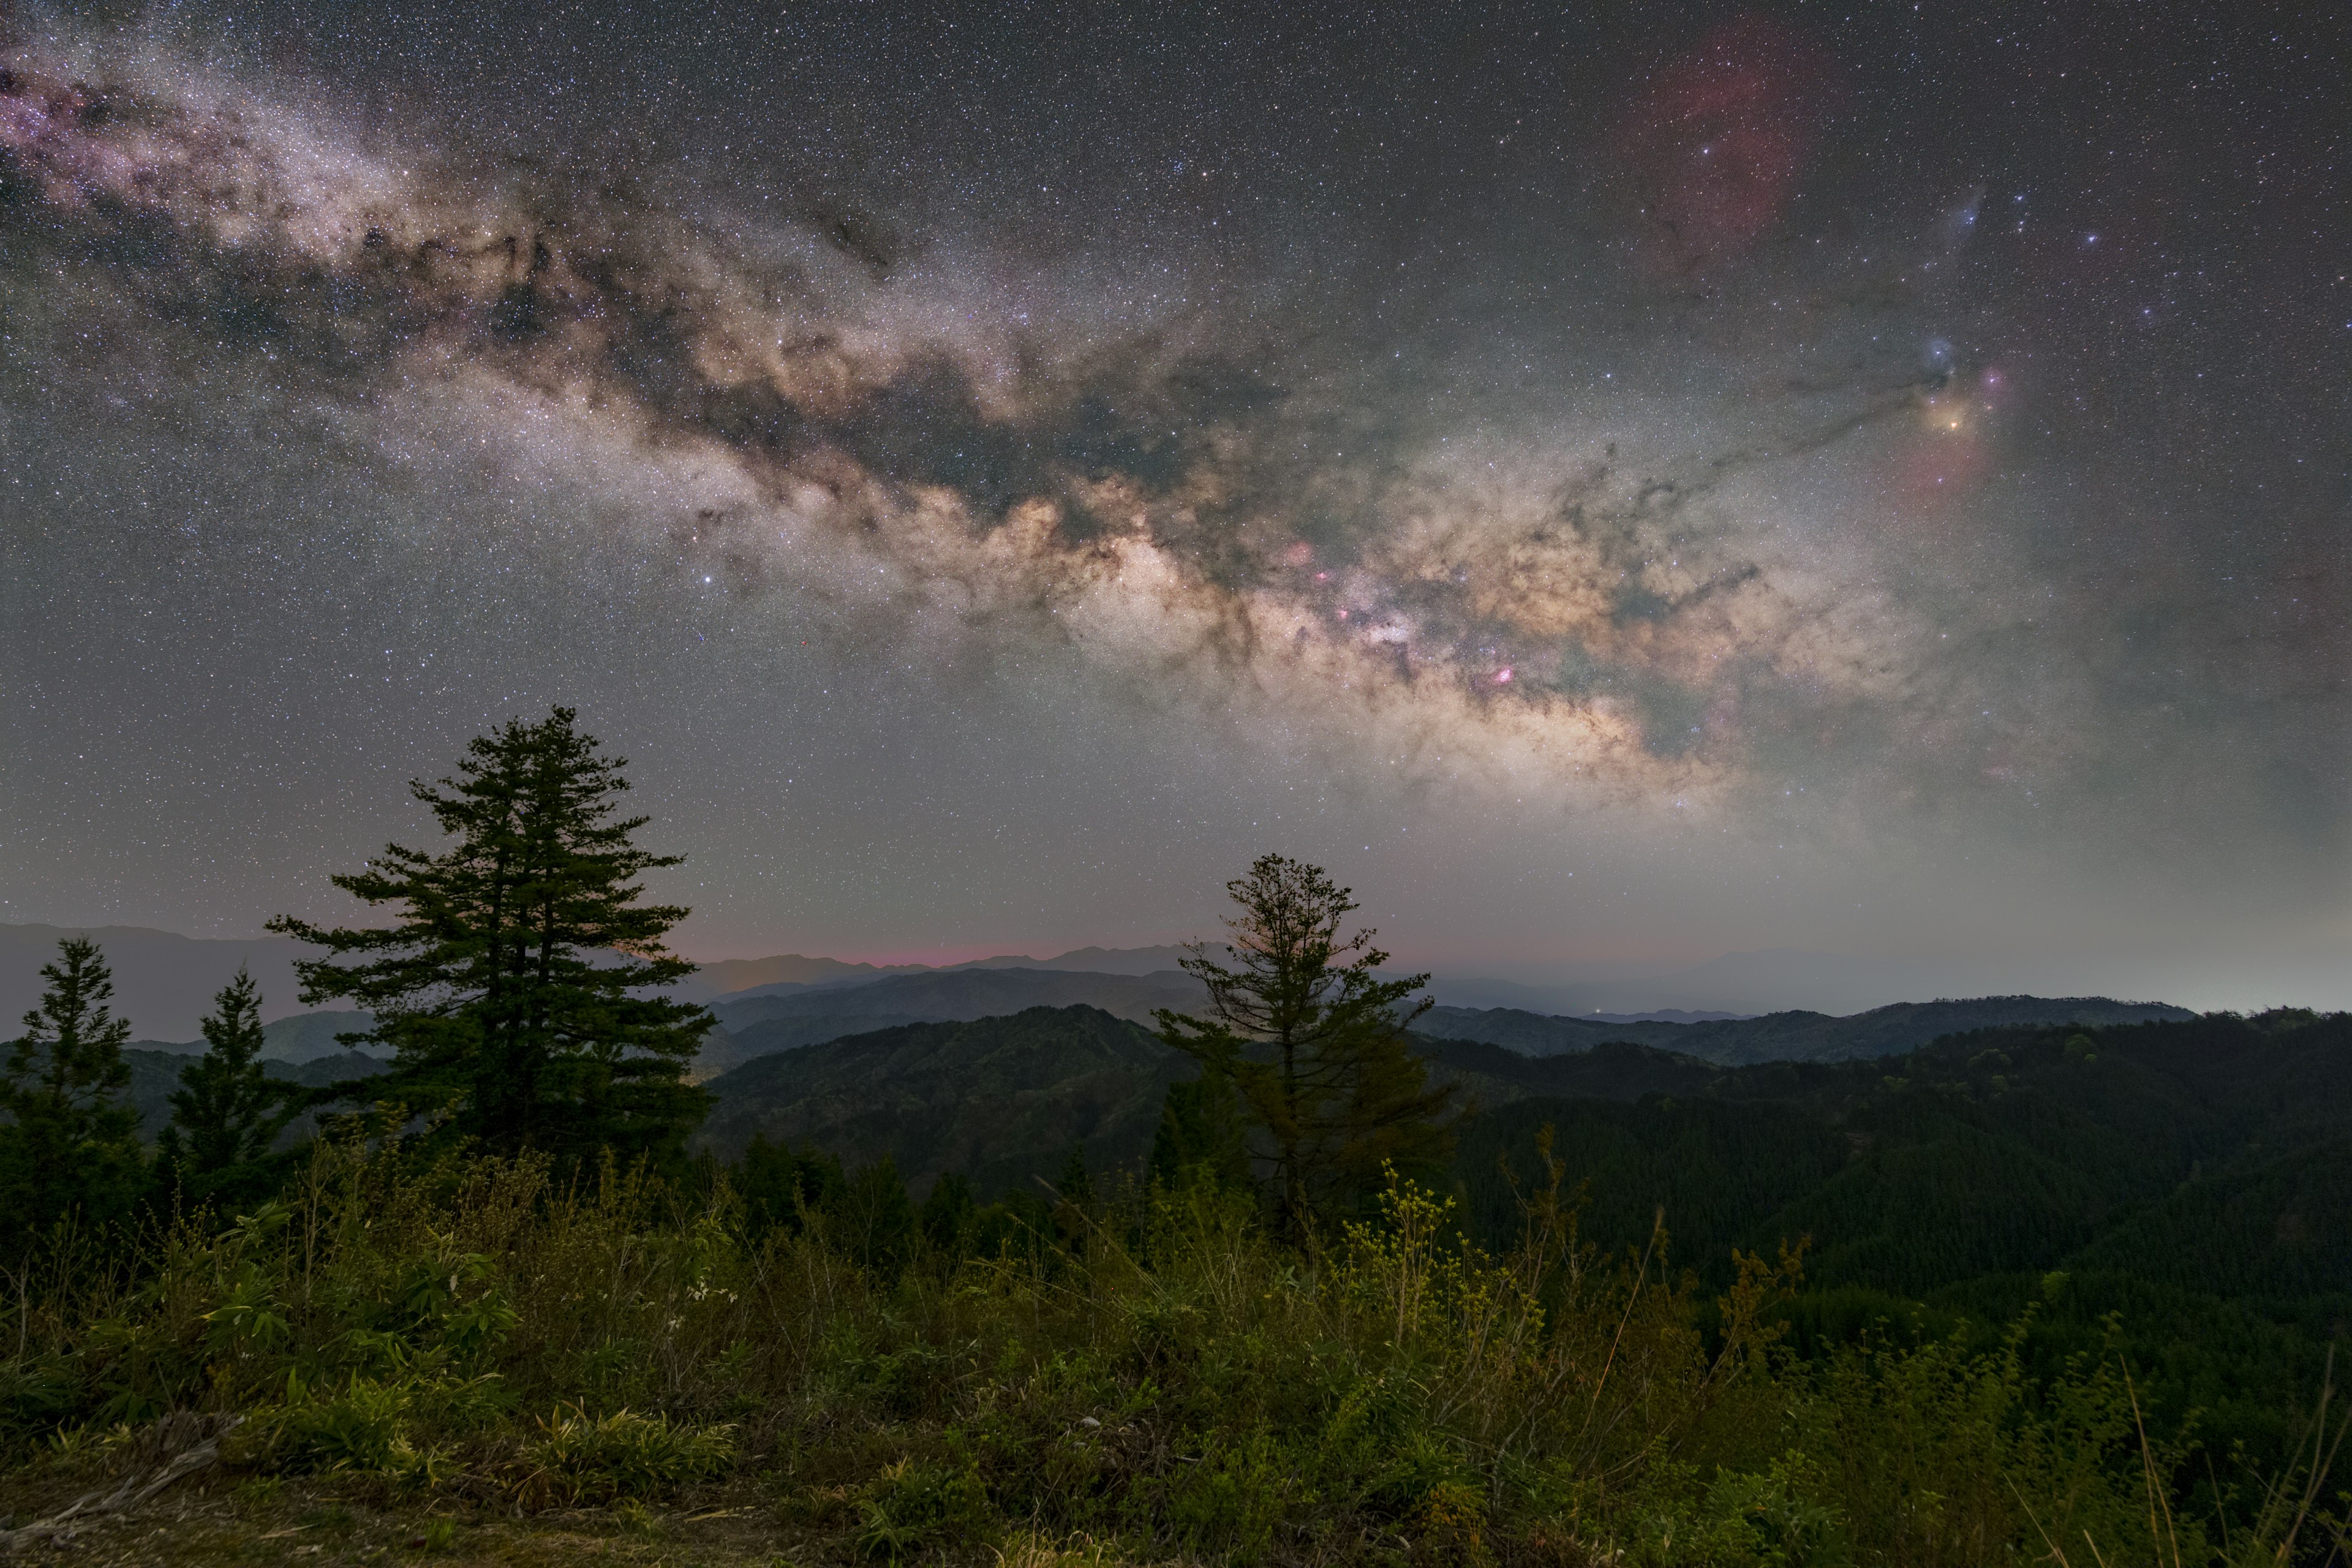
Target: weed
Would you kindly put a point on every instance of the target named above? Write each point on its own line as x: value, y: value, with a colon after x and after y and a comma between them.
x: 581, y: 1458
x: 917, y: 1507
x: 1229, y: 1503
x: 632, y: 1517
x: 332, y: 1519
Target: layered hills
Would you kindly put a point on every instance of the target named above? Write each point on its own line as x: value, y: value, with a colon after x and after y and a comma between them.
x: 785, y: 1015
x: 302, y: 1038
x: 734, y: 977
x: 155, y: 1073
x: 1790, y: 1035
x: 777, y: 1018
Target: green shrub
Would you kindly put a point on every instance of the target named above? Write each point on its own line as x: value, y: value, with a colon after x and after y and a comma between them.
x: 1232, y: 1497
x: 581, y: 1458
x: 915, y: 1506
x: 361, y: 1426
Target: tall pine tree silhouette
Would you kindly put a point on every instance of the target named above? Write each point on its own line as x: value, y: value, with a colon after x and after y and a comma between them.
x: 1300, y: 1023
x: 72, y: 1143
x: 511, y: 987
x: 228, y: 1112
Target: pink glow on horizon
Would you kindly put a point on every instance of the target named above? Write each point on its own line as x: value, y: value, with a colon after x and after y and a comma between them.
x: 945, y: 957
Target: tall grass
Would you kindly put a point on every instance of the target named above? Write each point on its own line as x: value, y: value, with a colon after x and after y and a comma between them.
x: 1153, y: 1375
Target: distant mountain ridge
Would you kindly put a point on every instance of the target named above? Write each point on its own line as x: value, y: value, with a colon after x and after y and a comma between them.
x: 789, y: 1016
x: 155, y: 1074
x: 765, y: 1020
x: 730, y: 977
x: 1791, y: 1035
x: 164, y: 982
x: 768, y: 1020
x: 304, y: 1038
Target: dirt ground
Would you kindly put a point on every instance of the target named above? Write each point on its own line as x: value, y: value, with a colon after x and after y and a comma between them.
x: 316, y: 1526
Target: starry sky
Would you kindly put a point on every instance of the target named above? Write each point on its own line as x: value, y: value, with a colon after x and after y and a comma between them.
x: 1618, y: 486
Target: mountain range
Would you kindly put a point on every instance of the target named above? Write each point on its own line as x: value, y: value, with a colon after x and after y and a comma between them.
x: 788, y: 1015
x: 155, y: 1073
x: 165, y: 982
x: 734, y: 977
x: 1788, y: 1036
x: 776, y: 1018
x: 302, y: 1038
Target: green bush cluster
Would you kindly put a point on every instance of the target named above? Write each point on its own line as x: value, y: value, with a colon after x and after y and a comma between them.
x: 1149, y: 1370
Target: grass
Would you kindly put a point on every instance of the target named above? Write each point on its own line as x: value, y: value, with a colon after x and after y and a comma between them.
x: 435, y: 1357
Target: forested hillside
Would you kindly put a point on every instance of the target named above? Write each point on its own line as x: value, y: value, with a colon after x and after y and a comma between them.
x: 155, y: 1074
x: 2209, y: 1154
x: 2087, y: 1124
x: 998, y: 1101
x: 2195, y: 1177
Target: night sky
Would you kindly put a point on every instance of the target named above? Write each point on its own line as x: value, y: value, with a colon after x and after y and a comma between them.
x: 1617, y: 489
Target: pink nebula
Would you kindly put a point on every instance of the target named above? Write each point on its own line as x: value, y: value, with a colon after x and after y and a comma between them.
x: 1719, y: 139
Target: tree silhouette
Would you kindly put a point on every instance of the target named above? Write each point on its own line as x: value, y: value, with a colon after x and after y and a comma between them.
x: 228, y: 1112
x: 509, y: 990
x: 1201, y: 1137
x: 71, y: 1145
x: 1315, y: 1045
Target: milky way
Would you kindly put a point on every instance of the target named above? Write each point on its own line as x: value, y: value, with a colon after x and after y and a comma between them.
x: 1643, y: 448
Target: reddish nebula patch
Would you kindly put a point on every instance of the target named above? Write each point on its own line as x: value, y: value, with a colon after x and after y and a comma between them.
x: 1942, y: 466
x: 1719, y: 139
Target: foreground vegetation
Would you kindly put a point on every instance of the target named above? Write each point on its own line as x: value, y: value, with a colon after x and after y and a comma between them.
x: 456, y: 1339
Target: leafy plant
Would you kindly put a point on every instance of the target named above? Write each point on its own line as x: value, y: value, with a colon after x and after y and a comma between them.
x: 916, y: 1506
x: 582, y: 1458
